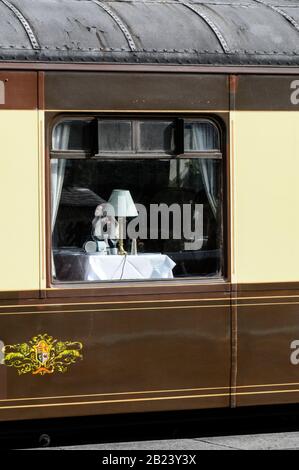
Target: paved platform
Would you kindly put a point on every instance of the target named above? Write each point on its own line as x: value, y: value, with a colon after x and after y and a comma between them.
x: 273, y: 441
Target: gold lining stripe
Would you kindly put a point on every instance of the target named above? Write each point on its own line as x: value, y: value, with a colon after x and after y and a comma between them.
x: 117, y: 394
x: 266, y: 297
x: 116, y: 401
x: 148, y: 308
x: 267, y: 392
x: 216, y: 299
x: 148, y: 392
x: 117, y: 302
x: 289, y: 384
x: 267, y: 303
x: 132, y: 400
x: 139, y: 111
x: 115, y: 309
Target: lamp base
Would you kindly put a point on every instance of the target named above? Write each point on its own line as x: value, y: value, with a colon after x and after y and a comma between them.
x: 121, y: 250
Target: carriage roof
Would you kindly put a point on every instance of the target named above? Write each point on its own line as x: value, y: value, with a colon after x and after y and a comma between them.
x: 215, y: 32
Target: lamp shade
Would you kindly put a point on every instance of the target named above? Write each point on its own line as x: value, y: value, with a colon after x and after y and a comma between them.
x: 122, y: 203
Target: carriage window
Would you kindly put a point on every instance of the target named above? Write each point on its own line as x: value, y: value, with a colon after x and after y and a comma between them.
x: 138, y: 208
x: 201, y: 136
x: 74, y: 135
x: 135, y: 137
x: 156, y: 136
x: 115, y: 136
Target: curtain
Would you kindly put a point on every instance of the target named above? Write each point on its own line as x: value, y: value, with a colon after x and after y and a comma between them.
x: 205, y: 138
x: 57, y: 177
x: 198, y: 137
x: 61, y: 138
x: 209, y: 174
x: 202, y: 136
x: 60, y: 142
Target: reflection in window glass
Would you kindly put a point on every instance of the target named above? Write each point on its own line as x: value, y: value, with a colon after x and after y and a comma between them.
x: 80, y: 186
x: 156, y: 136
x: 115, y: 136
x: 201, y: 136
x: 73, y: 135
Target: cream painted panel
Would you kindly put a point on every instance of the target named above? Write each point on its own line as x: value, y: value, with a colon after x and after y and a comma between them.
x: 19, y: 201
x: 265, y: 196
x: 42, y: 208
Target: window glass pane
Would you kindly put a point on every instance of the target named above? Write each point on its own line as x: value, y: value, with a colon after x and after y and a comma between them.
x: 73, y: 135
x: 156, y: 136
x: 201, y: 136
x: 178, y: 231
x: 115, y: 136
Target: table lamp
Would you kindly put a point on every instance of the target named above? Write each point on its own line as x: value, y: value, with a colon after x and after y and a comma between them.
x: 123, y: 205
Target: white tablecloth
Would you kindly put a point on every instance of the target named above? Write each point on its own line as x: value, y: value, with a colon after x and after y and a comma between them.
x: 77, y: 266
x: 113, y: 267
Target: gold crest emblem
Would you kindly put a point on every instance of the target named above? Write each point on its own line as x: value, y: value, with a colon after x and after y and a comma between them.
x: 42, y: 355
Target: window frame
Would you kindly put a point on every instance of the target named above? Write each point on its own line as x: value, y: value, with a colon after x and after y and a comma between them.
x: 220, y: 123
x: 123, y: 153
x: 72, y: 153
x: 135, y: 153
x: 214, y: 153
x: 179, y: 150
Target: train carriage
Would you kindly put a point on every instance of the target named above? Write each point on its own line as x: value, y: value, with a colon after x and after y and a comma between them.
x: 149, y: 161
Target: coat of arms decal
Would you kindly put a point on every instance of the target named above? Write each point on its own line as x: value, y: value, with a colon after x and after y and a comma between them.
x: 42, y: 355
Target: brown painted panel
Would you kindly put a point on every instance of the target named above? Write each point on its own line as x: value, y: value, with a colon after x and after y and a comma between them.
x: 135, y: 358
x: 18, y: 296
x: 157, y: 351
x: 124, y: 292
x: 267, y: 324
x: 271, y: 287
x: 18, y: 90
x: 134, y: 291
x: 135, y: 91
x: 266, y: 92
